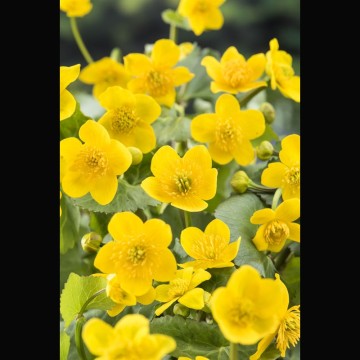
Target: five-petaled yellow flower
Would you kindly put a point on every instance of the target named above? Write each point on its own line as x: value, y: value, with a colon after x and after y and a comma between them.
x: 246, y: 309
x: 129, y: 116
x: 184, y: 182
x: 202, y: 14
x: 285, y: 174
x: 288, y: 332
x: 211, y: 248
x: 196, y: 358
x: 156, y: 75
x: 279, y: 68
x: 104, y: 73
x: 229, y: 130
x: 183, y: 288
x: 277, y: 226
x: 93, y: 166
x: 76, y: 8
x: 138, y: 254
x: 129, y: 339
x: 68, y: 74
x: 233, y: 74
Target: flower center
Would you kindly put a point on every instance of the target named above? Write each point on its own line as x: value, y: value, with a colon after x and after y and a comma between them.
x: 91, y: 161
x: 123, y: 119
x: 178, y: 287
x: 236, y: 73
x: 292, y: 176
x: 209, y: 247
x: 242, y: 314
x: 183, y: 184
x: 158, y: 83
x: 226, y: 134
x: 137, y: 254
x: 276, y: 232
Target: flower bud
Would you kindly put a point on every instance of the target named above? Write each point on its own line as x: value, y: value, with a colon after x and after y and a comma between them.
x: 181, y: 310
x: 265, y: 150
x: 91, y: 242
x: 240, y: 182
x: 268, y: 111
x: 136, y: 155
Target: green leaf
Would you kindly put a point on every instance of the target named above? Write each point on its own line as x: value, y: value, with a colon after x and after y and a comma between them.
x: 70, y: 126
x: 269, y: 135
x: 127, y: 198
x: 219, y: 277
x: 291, y: 277
x: 64, y: 345
x: 172, y: 17
x: 77, y: 291
x: 99, y: 223
x: 236, y: 212
x: 137, y: 173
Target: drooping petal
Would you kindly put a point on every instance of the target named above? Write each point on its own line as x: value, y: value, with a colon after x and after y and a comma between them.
x: 272, y: 176
x: 181, y: 75
x: 103, y: 190
x: 290, y: 150
x: 67, y: 104
x: 294, y: 232
x: 262, y: 216
x: 203, y: 127
x: 213, y: 67
x: 244, y: 153
x: 137, y: 64
x: 165, y: 53
x: 147, y: 108
x: 125, y: 223
x: 288, y: 210
x: 193, y: 299
x: 252, y: 123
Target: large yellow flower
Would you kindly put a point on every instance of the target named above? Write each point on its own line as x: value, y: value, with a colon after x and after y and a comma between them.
x: 202, y: 14
x: 104, y: 73
x: 68, y: 74
x: 288, y: 331
x: 93, y: 166
x: 279, y: 68
x: 277, y: 226
x: 183, y: 288
x: 285, y: 174
x: 229, y: 131
x: 211, y: 248
x: 76, y: 8
x: 138, y: 254
x: 184, y: 182
x: 156, y: 75
x: 129, y: 339
x: 129, y: 116
x: 233, y: 74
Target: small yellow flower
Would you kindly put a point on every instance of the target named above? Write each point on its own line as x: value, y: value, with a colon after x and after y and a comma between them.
x: 246, y: 309
x: 76, y: 8
x: 229, y: 131
x: 156, y: 75
x: 68, y: 74
x: 285, y: 174
x: 183, y: 288
x: 184, y: 182
x: 104, y: 73
x: 129, y: 339
x: 138, y: 254
x: 186, y: 49
x: 202, y: 14
x: 277, y: 226
x: 279, y: 68
x: 93, y: 166
x: 196, y: 358
x: 211, y: 248
x: 233, y: 74
x: 129, y: 116
x: 288, y: 332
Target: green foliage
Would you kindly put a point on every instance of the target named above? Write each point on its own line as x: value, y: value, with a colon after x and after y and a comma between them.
x: 70, y: 126
x: 268, y: 135
x: 291, y: 277
x: 172, y: 17
x: 64, y: 345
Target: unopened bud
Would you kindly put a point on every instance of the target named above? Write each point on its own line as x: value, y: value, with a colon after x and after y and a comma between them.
x: 268, y: 111
x: 91, y: 242
x: 265, y: 150
x: 240, y: 181
x: 181, y: 310
x: 136, y: 155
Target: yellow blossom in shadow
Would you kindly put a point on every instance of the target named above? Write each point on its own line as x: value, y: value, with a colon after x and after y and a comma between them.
x: 68, y: 74
x: 129, y: 339
x: 76, y: 8
x: 229, y: 130
x: 183, y: 288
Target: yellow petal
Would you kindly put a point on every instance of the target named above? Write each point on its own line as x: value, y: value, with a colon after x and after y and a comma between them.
x: 278, y: 247
x: 137, y: 86
x: 252, y: 123
x: 130, y: 326
x: 214, y: 19
x: 244, y: 153
x: 144, y: 137
x: 188, y: 237
x: 181, y: 75
x: 74, y: 184
x: 68, y: 74
x: 213, y: 67
x: 198, y: 154
x: 288, y: 210
x: 99, y: 88
x: 251, y: 86
x: 67, y: 104
x: 257, y: 64
x: 94, y: 134
x: 158, y: 232
x: 291, y: 88
x: 262, y: 346
x: 162, y: 293
x: 165, y: 161
x: 262, y: 216
x: 203, y: 127
x: 165, y: 53
x: 137, y: 64
x: 218, y: 228
x: 197, y: 24
x: 290, y: 192
x: 104, y: 261
x: 207, y: 184
x: 137, y: 285
x: 219, y: 155
x: 116, y: 310
x: 283, y: 301
x: 294, y: 232
x: 199, y: 276
x: 147, y: 298
x: 147, y: 108
x: 231, y: 251
x: 69, y: 149
x: 290, y: 150
x: 190, y: 203
x: 216, y: 87
x: 167, y: 99
x: 274, y: 44
x: 115, y: 97
x: 125, y: 224
x: 247, y: 276
x: 154, y: 188
x: 165, y: 268
x: 104, y: 189
x: 193, y: 299
x: 165, y: 306
x: 227, y: 105
x: 231, y: 54
x: 272, y: 176
x: 119, y: 157
x: 259, y: 239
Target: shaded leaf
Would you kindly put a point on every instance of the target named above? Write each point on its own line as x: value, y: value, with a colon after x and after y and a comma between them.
x: 174, y: 18
x: 291, y: 277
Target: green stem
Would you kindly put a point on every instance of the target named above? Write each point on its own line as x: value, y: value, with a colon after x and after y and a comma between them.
x: 233, y: 351
x: 276, y: 198
x: 88, y: 301
x: 187, y: 218
x: 172, y: 33
x: 283, y: 258
x: 260, y: 188
x: 248, y: 97
x: 80, y: 321
x: 79, y: 41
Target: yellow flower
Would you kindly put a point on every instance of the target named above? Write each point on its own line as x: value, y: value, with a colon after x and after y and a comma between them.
x: 184, y: 182
x: 129, y: 116
x: 196, y: 358
x: 185, y: 49
x: 129, y: 339
x: 138, y: 254
x: 202, y: 14
x: 229, y: 131
x: 104, y: 73
x: 279, y: 68
x: 285, y: 174
x: 183, y: 288
x: 93, y: 166
x: 277, y: 226
x: 156, y: 75
x: 246, y: 309
x: 288, y: 332
x: 210, y: 249
x: 68, y: 74
x: 233, y: 74
x: 76, y: 8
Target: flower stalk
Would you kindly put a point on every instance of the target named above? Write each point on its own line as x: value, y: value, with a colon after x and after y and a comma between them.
x: 79, y: 41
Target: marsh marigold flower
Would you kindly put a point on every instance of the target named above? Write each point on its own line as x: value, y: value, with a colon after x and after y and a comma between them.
x: 93, y: 166
x: 211, y: 248
x: 156, y: 75
x: 68, y: 74
x: 202, y: 14
x: 286, y: 173
x: 129, y: 116
x: 288, y: 331
x: 229, y: 130
x: 246, y: 309
x: 76, y: 8
x: 277, y: 226
x: 138, y: 254
x: 282, y: 75
x: 129, y: 339
x: 234, y: 74
x: 184, y: 182
x: 104, y: 73
x: 183, y: 288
